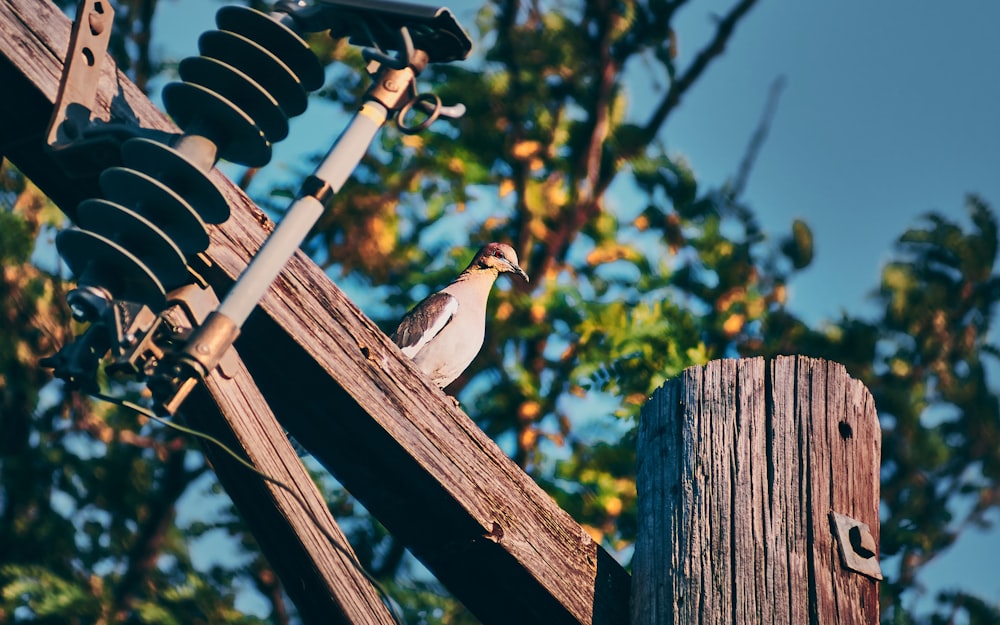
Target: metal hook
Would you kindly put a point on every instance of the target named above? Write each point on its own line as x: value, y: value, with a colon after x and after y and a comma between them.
x: 432, y: 101
x: 376, y: 53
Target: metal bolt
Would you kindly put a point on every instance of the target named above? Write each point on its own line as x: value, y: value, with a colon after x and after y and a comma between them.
x: 202, y: 348
x: 95, y: 23
x: 390, y: 85
x: 80, y: 313
x: 862, y: 541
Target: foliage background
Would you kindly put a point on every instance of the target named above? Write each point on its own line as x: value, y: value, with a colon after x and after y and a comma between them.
x: 640, y: 267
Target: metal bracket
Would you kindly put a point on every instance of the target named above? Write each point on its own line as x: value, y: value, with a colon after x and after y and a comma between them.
x: 80, y: 143
x: 858, y: 550
x: 197, y: 304
x: 377, y: 23
x: 143, y: 338
x: 138, y: 338
x: 78, y: 89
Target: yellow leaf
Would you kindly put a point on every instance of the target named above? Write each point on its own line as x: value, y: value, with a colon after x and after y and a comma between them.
x: 527, y: 438
x: 413, y: 141
x: 529, y: 411
x: 626, y: 487
x: 504, y: 311
x: 733, y: 325
x: 525, y: 149
x: 555, y: 193
x: 537, y: 313
x: 608, y: 254
x: 900, y: 368
x: 730, y: 297
x: 636, y: 399
x: 538, y: 229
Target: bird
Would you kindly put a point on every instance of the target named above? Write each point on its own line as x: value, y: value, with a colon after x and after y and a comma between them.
x: 444, y: 332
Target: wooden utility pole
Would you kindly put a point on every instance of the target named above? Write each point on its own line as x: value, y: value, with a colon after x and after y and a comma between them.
x: 335, y: 381
x: 758, y: 494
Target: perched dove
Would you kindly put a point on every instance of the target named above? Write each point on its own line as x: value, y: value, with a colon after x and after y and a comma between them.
x: 445, y: 331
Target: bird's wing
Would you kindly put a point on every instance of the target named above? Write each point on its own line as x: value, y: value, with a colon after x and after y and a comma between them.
x: 424, y: 322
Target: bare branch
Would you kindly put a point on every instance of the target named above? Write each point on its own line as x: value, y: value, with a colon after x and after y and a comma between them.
x: 148, y: 542
x: 758, y: 138
x: 716, y: 47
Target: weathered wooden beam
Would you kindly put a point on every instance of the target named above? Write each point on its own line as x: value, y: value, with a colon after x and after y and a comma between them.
x: 297, y: 533
x: 299, y: 536
x: 740, y: 464
x: 341, y: 387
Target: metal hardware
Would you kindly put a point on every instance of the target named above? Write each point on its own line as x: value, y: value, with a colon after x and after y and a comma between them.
x: 384, y: 25
x: 177, y: 376
x: 77, y: 90
x: 130, y: 250
x: 378, y: 24
x: 137, y: 338
x: 856, y: 544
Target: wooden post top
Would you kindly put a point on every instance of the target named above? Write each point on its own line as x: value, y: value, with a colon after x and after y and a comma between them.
x: 751, y: 475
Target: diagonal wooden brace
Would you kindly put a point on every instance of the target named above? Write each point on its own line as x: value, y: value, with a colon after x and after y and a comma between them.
x: 429, y: 474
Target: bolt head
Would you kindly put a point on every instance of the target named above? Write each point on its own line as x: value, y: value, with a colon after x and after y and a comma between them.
x: 862, y: 541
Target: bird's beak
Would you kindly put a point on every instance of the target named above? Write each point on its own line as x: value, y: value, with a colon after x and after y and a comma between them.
x: 518, y: 271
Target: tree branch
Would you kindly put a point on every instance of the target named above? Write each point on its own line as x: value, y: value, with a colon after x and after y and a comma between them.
x: 269, y: 585
x: 150, y: 536
x: 716, y: 47
x: 590, y: 165
x: 758, y: 138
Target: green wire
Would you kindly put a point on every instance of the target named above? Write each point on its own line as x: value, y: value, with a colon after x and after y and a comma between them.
x: 334, y: 542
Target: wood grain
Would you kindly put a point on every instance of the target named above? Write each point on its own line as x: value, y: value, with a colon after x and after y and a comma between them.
x: 336, y: 382
x: 739, y: 464
x: 298, y: 534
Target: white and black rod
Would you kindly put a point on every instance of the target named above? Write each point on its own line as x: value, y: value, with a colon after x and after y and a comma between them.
x: 207, y: 344
x: 329, y: 177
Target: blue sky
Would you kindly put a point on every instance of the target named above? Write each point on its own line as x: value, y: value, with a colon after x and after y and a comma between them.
x: 891, y: 109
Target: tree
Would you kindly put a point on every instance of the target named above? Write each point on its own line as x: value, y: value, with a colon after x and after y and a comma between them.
x: 638, y: 272
x: 925, y: 360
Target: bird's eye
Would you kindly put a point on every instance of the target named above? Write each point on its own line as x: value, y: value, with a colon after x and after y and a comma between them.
x: 498, y: 253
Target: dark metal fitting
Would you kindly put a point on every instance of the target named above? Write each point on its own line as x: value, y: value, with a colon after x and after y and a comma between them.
x: 176, y: 377
x: 88, y: 303
x: 318, y: 188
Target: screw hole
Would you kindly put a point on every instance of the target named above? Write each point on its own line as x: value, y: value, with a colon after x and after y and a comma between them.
x: 845, y: 429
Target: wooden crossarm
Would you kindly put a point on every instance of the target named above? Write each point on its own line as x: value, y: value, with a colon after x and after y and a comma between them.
x: 335, y: 381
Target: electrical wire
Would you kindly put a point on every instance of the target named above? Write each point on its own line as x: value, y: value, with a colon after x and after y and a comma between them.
x: 333, y: 540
